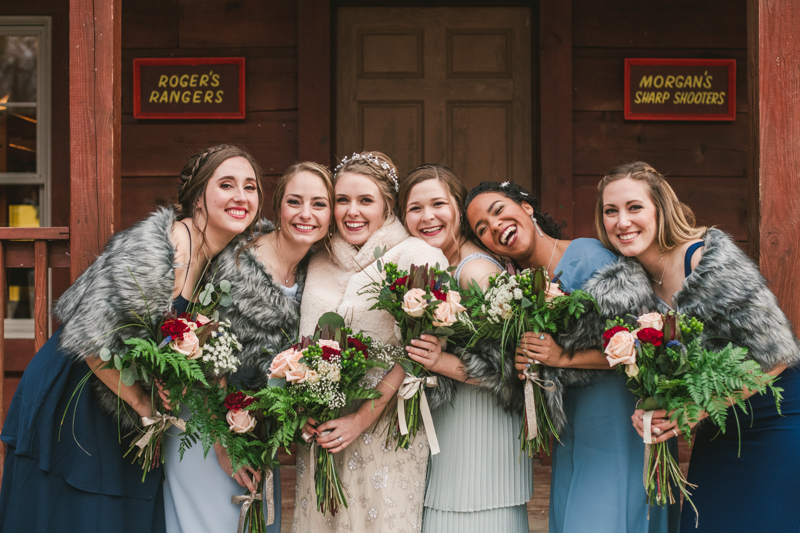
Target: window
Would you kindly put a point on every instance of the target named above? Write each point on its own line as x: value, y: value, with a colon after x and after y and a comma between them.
x: 25, y: 68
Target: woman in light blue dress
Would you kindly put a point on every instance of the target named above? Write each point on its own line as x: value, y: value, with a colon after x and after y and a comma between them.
x: 479, y: 481
x: 267, y: 275
x: 599, y: 461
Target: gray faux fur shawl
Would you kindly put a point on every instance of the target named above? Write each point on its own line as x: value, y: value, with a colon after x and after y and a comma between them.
x: 619, y: 289
x: 136, y: 261
x: 728, y: 293
x: 261, y: 315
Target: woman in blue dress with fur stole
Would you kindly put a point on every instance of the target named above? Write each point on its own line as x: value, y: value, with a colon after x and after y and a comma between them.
x: 598, y: 463
x: 701, y: 272
x: 72, y: 477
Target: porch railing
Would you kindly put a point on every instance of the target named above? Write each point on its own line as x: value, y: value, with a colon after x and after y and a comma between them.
x: 40, y: 249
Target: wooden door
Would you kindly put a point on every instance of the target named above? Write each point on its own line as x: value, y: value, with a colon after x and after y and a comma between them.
x: 445, y: 85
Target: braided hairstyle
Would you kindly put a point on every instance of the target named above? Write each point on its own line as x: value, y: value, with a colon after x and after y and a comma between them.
x: 518, y: 195
x: 674, y: 219
x: 197, y: 172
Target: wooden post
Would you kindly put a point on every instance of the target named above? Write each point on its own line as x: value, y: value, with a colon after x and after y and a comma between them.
x: 774, y: 171
x: 555, y: 110
x: 95, y: 126
x: 314, y: 80
x: 40, y: 307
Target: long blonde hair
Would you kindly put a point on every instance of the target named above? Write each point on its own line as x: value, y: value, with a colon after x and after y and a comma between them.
x: 675, y: 220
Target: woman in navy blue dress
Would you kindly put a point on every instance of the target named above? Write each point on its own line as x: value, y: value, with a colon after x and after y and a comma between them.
x: 71, y: 477
x: 702, y: 273
x: 598, y: 460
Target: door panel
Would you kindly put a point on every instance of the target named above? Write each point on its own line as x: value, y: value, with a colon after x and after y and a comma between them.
x: 438, y: 85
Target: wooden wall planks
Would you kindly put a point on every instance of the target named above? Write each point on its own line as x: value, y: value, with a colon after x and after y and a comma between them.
x: 265, y: 34
x: 231, y: 24
x: 705, y: 162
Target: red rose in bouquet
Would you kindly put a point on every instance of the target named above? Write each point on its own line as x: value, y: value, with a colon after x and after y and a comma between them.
x: 649, y: 335
x: 237, y: 401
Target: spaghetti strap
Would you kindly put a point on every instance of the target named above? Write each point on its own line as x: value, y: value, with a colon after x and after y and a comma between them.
x: 190, y: 257
x: 687, y: 260
x: 471, y: 257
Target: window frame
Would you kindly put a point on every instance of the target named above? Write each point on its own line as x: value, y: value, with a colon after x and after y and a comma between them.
x: 41, y: 27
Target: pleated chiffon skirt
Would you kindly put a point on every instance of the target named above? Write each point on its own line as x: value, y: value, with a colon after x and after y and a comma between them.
x: 480, y: 481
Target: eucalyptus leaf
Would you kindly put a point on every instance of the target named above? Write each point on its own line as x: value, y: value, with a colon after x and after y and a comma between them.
x: 117, y: 362
x: 378, y: 252
x: 215, y: 315
x: 225, y: 285
x: 205, y: 297
x: 526, y: 303
x: 105, y: 354
x: 129, y: 375
x: 225, y: 300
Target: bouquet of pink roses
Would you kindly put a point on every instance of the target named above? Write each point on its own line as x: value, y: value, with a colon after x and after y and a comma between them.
x: 424, y: 300
x: 668, y: 368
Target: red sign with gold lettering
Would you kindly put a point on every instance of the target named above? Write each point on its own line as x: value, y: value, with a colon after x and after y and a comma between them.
x: 680, y: 89
x: 188, y: 88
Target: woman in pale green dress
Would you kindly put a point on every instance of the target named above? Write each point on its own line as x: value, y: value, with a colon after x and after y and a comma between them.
x: 479, y: 481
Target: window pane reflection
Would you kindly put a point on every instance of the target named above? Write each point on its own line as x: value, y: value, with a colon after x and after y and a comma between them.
x: 18, y: 56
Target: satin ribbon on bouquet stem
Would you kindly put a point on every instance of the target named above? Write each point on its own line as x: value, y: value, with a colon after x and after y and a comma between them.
x: 647, y: 420
x: 532, y: 378
x: 249, y: 499
x: 410, y: 386
x: 158, y: 422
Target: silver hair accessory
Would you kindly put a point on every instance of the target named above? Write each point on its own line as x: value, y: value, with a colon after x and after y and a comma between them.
x: 371, y: 159
x: 505, y: 184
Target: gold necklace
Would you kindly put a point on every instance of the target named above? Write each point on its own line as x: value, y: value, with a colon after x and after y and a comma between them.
x: 285, y: 271
x: 661, y: 281
x: 551, y: 256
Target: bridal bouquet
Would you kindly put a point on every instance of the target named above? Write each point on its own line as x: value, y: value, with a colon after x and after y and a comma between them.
x: 513, y: 304
x: 323, y: 373
x: 178, y: 351
x: 668, y: 368
x: 424, y: 300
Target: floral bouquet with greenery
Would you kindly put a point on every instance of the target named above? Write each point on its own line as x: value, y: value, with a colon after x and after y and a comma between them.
x: 515, y: 303
x: 246, y: 425
x: 424, y: 300
x: 178, y: 352
x: 323, y: 374
x: 668, y: 368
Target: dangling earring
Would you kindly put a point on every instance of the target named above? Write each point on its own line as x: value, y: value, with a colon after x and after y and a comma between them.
x: 535, y: 225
